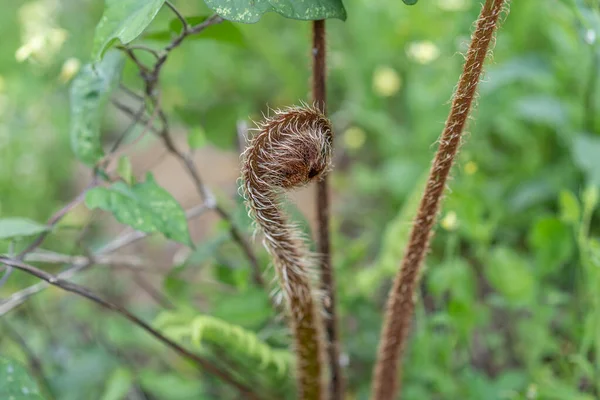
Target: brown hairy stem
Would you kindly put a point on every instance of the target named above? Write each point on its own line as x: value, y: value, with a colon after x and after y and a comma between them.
x: 290, y: 150
x: 400, y: 306
x: 319, y: 89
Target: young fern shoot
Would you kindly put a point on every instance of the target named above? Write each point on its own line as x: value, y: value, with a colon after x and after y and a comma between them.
x: 291, y: 149
x: 400, y: 304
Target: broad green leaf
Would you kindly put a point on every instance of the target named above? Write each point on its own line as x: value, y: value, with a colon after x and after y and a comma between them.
x: 250, y: 11
x: 117, y: 385
x: 225, y: 32
x: 410, y: 2
x: 89, y: 94
x: 125, y: 170
x: 144, y: 206
x: 15, y: 382
x: 19, y: 227
x: 123, y: 20
x: 585, y: 153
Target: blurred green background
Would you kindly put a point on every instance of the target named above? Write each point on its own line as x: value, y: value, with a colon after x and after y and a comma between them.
x: 509, y: 306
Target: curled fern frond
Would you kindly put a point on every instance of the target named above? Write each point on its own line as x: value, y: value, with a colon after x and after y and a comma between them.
x: 291, y: 149
x: 235, y: 339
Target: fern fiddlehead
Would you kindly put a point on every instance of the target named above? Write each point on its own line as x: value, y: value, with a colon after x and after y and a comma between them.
x: 291, y: 149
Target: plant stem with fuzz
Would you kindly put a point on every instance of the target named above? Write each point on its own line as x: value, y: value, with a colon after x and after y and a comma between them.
x: 400, y: 306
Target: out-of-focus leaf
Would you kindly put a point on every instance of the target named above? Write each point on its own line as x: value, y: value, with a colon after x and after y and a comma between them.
x: 542, y: 110
x: 125, y: 170
x: 393, y: 242
x: 144, y: 206
x: 225, y: 32
x: 171, y: 386
x: 509, y: 274
x: 218, y: 122
x: 553, y: 243
x: 196, y: 138
x: 123, y: 20
x: 250, y: 11
x: 585, y: 152
x: 249, y: 309
x: 117, y: 385
x: 90, y: 91
x: 570, y: 210
x: 15, y: 382
x: 19, y: 227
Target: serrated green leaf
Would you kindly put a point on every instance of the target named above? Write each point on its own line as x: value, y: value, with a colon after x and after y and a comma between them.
x: 250, y: 11
x: 125, y: 170
x: 144, y: 206
x: 15, y: 382
x: 19, y: 227
x: 89, y: 94
x: 123, y: 20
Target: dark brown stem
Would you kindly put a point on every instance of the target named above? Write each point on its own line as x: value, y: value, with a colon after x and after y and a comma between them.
x: 400, y: 304
x: 336, y: 387
x: 88, y: 294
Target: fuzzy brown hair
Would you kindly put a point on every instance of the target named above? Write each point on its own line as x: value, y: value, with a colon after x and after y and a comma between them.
x: 291, y: 149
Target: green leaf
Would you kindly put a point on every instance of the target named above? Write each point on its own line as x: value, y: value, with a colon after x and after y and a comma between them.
x: 125, y: 170
x: 117, y: 385
x: 585, y: 153
x: 225, y: 32
x: 15, y: 382
x: 196, y: 138
x: 144, y: 206
x: 510, y: 275
x: 123, y: 20
x: 171, y: 386
x: 19, y: 227
x: 250, y: 11
x: 410, y: 2
x: 570, y: 210
x: 89, y: 94
x: 553, y: 243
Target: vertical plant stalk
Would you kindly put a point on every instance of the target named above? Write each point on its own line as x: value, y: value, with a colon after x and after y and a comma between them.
x: 319, y: 90
x: 290, y: 150
x: 400, y: 306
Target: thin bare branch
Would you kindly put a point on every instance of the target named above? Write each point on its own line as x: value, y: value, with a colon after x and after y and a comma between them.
x: 88, y: 294
x: 18, y: 298
x: 178, y: 14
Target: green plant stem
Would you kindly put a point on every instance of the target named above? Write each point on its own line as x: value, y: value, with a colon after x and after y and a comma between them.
x: 336, y: 387
x: 400, y: 306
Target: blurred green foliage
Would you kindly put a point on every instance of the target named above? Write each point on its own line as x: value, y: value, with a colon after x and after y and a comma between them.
x: 509, y: 307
